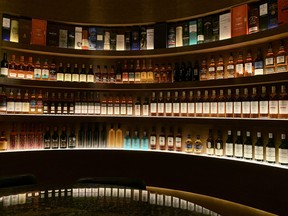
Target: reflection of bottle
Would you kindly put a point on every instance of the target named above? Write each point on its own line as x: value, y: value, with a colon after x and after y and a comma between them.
x: 189, y: 144
x: 111, y: 137
x: 81, y: 137
x: 3, y: 141
x: 96, y: 136
x: 119, y: 137
x: 89, y: 137
x: 13, y: 137
x: 198, y: 145
x: 103, y: 137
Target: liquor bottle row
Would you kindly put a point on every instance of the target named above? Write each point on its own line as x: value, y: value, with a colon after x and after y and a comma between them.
x: 239, y: 103
x: 100, y: 136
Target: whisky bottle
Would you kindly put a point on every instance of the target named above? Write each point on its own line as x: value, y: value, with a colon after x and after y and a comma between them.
x: 53, y: 106
x: 270, y: 150
x: 13, y: 138
x: 30, y: 69
x: 47, y: 139
x: 83, y: 74
x: 127, y: 140
x: 162, y: 139
x: 104, y: 105
x: 21, y: 69
x: 145, y: 141
x: 153, y: 139
x: 3, y: 100
x: 84, y: 104
x: 210, y: 144
x: 118, y: 73
x: 136, y: 140
x: 203, y: 71
x: 153, y: 105
x: 248, y: 66
x: 33, y: 103
x: 137, y: 107
x: 219, y: 144
x: 246, y: 104
x: 4, y: 66
x: 273, y: 103
x: 170, y: 140
x: 91, y: 105
x: 12, y: 68
x: 160, y: 105
x: 89, y: 137
x: 248, y: 146
x: 45, y: 70
x: 130, y: 106
x: 213, y: 104
x: 123, y: 106
x: 163, y: 74
x: 178, y: 140
x: 221, y: 104
x: 176, y: 104
x: 281, y: 59
x: 143, y: 76
x: 263, y: 104
x: 183, y: 104
x: 63, y: 138
x: 98, y: 75
x: 254, y: 103
x: 199, y: 104
x: 229, y: 145
x: 198, y: 149
x: 97, y: 103
x: 239, y: 146
x: 212, y: 69
x: 146, y: 108
x: 188, y: 144
x: 150, y: 73
x: 55, y: 139
x: 189, y: 72
x: 11, y: 102
x: 156, y: 74
x: 71, y: 105
x: 237, y: 104
x: 112, y: 75
x: 52, y: 71
x: 59, y: 105
x: 270, y: 61
x: 39, y: 103
x: 25, y: 103
x: 117, y: 106
x: 60, y: 73
x: 229, y: 104
x: 283, y: 103
x: 125, y: 73
x: 168, y: 104
x: 78, y: 104
x: 18, y: 102
x: 206, y: 104
x: 90, y: 74
x: 259, y: 63
x: 239, y: 69
x: 137, y: 75
x: 283, y: 150
x: 131, y: 73
x: 191, y: 105
x: 3, y: 141
x: 220, y: 68
x: 119, y: 138
x: 37, y: 70
x: 110, y: 106
x: 196, y: 71
x: 231, y: 67
x: 72, y: 139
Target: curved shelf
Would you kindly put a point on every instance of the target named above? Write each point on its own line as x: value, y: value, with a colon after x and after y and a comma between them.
x: 234, y: 82
x: 233, y: 43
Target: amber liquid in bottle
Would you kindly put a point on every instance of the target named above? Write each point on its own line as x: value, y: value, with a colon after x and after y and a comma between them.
x: 229, y: 104
x: 162, y: 139
x: 240, y: 66
x: 13, y: 66
x: 254, y: 104
x: 248, y: 67
x: 199, y: 105
x: 281, y: 59
x: 230, y: 67
x: 156, y: 74
x: 273, y: 103
x: 214, y: 104
x: 270, y: 61
x: 143, y: 72
x: 246, y: 104
x: 170, y: 140
x: 283, y: 103
x: 237, y: 104
x: 30, y: 69
x: 160, y: 105
x: 212, y: 69
x: 220, y: 68
x: 21, y: 74
x: 221, y: 104
x: 203, y: 70
x: 168, y: 105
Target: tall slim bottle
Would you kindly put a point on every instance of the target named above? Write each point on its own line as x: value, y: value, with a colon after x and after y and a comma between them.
x: 254, y: 103
x: 199, y: 104
x: 47, y: 139
x: 229, y: 104
x: 162, y: 139
x: 176, y: 104
x: 221, y: 104
x: 263, y: 104
x: 210, y: 144
x: 283, y: 150
x: 248, y: 147
x: 119, y: 137
x: 63, y: 138
x: 237, y: 112
x: 246, y: 104
x: 4, y: 66
x: 259, y: 149
x: 170, y: 140
x: 229, y: 145
x: 111, y: 137
x: 239, y: 146
x: 72, y: 139
x: 145, y: 141
x: 60, y: 72
x: 273, y: 103
x: 153, y: 139
x: 127, y: 140
x: 55, y: 138
x: 219, y: 144
x: 136, y: 140
x: 283, y: 103
x: 270, y: 149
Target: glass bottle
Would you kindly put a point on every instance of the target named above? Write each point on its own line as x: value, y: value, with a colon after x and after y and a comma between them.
x: 23, y: 137
x: 162, y: 139
x: 237, y: 111
x: 212, y: 69
x: 37, y: 70
x: 229, y: 104
x: 189, y: 72
x: 12, y: 70
x: 168, y: 104
x: 21, y: 69
x: 273, y: 103
x: 220, y: 68
x: 254, y: 103
x: 196, y: 71
x: 203, y: 71
x: 118, y: 73
x: 63, y: 138
x: 143, y: 72
x: 13, y: 138
x: 90, y: 74
x: 127, y: 140
x: 45, y: 70
x: 176, y: 104
x: 47, y: 138
x: 246, y: 104
x: 123, y: 106
x: 221, y: 104
x: 30, y: 69
x: 270, y: 149
x: 83, y: 74
x: 188, y: 144
x: 163, y: 74
x: 18, y: 102
x: 98, y: 75
x: 156, y: 73
x: 4, y: 66
x: 89, y: 137
x: 248, y: 146
x: 91, y: 105
x: 125, y: 73
x: 219, y: 144
x: 229, y: 145
x: 39, y: 103
x: 191, y: 105
x: 138, y: 107
x: 239, y: 146
x: 72, y: 139
x: 270, y: 61
x: 145, y: 141
x: 117, y: 106
x: 3, y: 141
x: 210, y: 144
x: 150, y: 73
x: 146, y: 108
x: 183, y: 104
x: 33, y: 102
x: 248, y: 66
x: 136, y: 140
x: 199, y: 104
x: 213, y: 104
x: 283, y: 150
x: 55, y: 139
x: 239, y: 67
x: 130, y: 106
x: 259, y: 63
x: 75, y: 74
x: 153, y: 139
x: 206, y: 104
x: 112, y: 74
x: 263, y: 104
x: 59, y: 106
x: 60, y: 72
x: 53, y: 104
x: 170, y: 140
x: 153, y: 105
x: 160, y: 105
x: 137, y: 72
x: 281, y: 59
x: 231, y: 67
x: 104, y: 105
x: 71, y: 104
x: 81, y: 136
x: 131, y: 73
x: 198, y: 149
x: 119, y: 137
x: 176, y: 73
x: 283, y: 103
x: 26, y: 103
x: 96, y: 136
x: 110, y: 106
x: 178, y: 140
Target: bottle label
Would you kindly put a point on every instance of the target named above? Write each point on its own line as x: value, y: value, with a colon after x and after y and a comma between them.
x: 209, y: 150
x: 137, y: 110
x: 145, y: 110
x: 238, y: 150
x: 237, y: 107
x: 200, y: 38
x: 77, y: 108
x: 230, y: 67
x: 283, y: 106
x: 254, y: 107
x: 168, y: 108
x: 248, y: 67
x: 123, y: 109
x: 45, y: 73
x: 131, y: 77
x: 110, y: 109
x: 214, y: 108
x: 191, y: 109
x: 170, y: 141
x: 270, y: 154
x: 12, y: 73
x: 75, y: 77
x: 281, y: 68
x: 283, y: 156
x: 229, y: 107
x: 269, y: 61
x: 199, y: 108
x: 211, y: 69
x: 281, y: 59
x: 4, y: 71
x: 25, y: 107
x: 183, y: 108
x: 97, y: 108
x: 246, y: 107
x: 129, y: 109
x: 176, y: 108
x: 161, y: 141
x: 90, y: 108
x: 258, y: 71
x: 37, y: 73
x: 83, y: 78
x: 178, y: 142
x: 153, y: 108
x: 258, y: 65
x: 221, y: 107
x: 29, y: 75
x: 153, y: 141
x: 259, y: 153
x: 125, y: 77
x: 220, y: 68
x: 67, y: 77
x: 90, y: 78
x: 103, y: 109
x: 248, y: 151
x: 263, y: 107
x: 239, y: 68
x: 116, y: 109
x: 219, y: 152
x: 60, y: 76
x: 84, y: 108
x: 206, y: 107
x: 160, y: 107
x: 273, y: 107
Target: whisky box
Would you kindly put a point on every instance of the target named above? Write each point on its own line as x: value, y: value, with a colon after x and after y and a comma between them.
x: 99, y: 38
x: 113, y: 41
x: 273, y: 14
x: 92, y: 38
x: 85, y: 44
x: 207, y: 29
x: 127, y: 40
x: 106, y: 40
x: 171, y: 38
x: 215, y: 27
x: 25, y: 31
x: 282, y: 11
x: 63, y: 38
x: 225, y: 26
x: 52, y: 34
x: 135, y: 39
x: 71, y: 38
x: 38, y: 34
x: 263, y: 16
x: 186, y: 34
x: 192, y: 32
x: 6, y: 26
x: 179, y: 36
x: 150, y: 38
x: 78, y: 37
x: 239, y: 21
x: 14, y: 33
x: 160, y: 35
x: 200, y: 33
x: 253, y: 18
x: 143, y: 38
x: 120, y: 42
